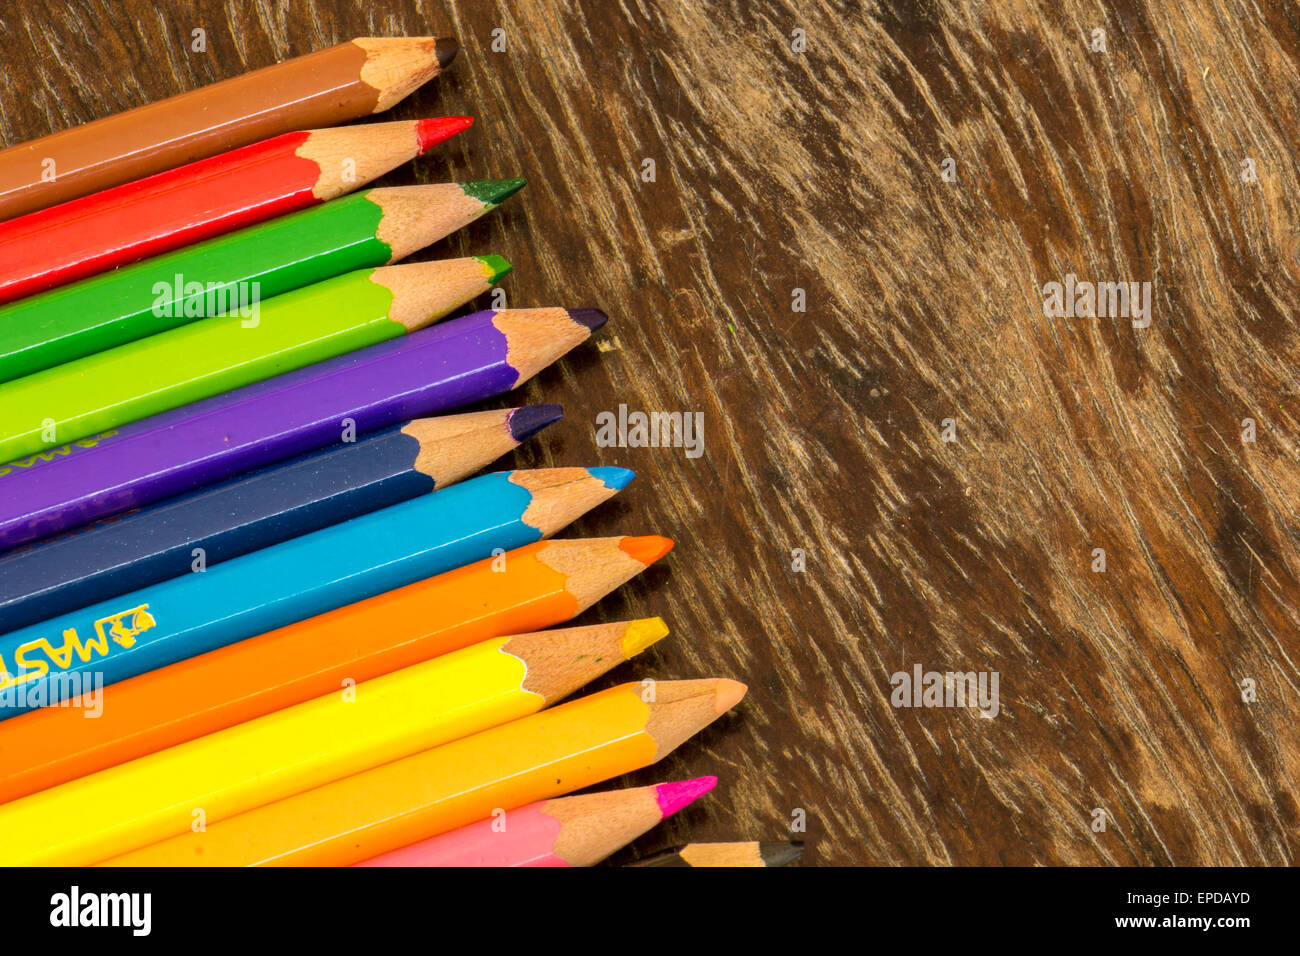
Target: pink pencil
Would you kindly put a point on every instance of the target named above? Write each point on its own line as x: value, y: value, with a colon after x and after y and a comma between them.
x: 569, y: 831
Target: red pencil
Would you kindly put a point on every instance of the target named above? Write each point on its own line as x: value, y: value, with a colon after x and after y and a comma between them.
x: 184, y: 205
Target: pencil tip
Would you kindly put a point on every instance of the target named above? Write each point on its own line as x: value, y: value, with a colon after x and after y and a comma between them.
x: 779, y: 854
x: 445, y: 49
x: 647, y: 548
x: 497, y: 267
x: 493, y: 192
x: 438, y: 129
x: 616, y: 478
x: 526, y: 422
x: 641, y: 634
x: 680, y: 793
x: 727, y: 695
x: 591, y: 318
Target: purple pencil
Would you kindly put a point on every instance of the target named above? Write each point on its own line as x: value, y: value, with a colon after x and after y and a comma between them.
x: 431, y: 371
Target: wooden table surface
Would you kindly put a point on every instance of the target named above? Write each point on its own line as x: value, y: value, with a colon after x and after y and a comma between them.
x: 1159, y: 694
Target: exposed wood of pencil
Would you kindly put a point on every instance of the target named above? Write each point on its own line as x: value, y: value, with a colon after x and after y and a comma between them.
x: 594, y: 825
x: 562, y: 660
x: 680, y: 708
x: 560, y: 495
x: 396, y: 67
x: 595, y: 566
x: 425, y: 291
x: 535, y: 336
x: 452, y: 446
x: 412, y: 217
x: 351, y: 155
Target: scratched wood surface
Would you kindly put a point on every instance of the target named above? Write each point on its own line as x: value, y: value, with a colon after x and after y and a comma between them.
x: 821, y: 170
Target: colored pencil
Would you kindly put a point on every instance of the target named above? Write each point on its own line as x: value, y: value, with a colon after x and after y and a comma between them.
x: 142, y: 630
x: 256, y: 510
x: 373, y: 228
x: 316, y: 742
x: 345, y: 82
x: 118, y: 226
x: 568, y: 831
x: 529, y: 588
x: 210, y: 356
x: 434, y: 370
x: 726, y: 854
x: 556, y: 751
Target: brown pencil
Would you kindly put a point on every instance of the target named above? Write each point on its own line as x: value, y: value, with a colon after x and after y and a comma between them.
x: 726, y: 855
x: 354, y: 79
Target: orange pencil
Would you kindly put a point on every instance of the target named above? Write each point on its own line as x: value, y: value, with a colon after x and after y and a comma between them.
x: 554, y: 752
x: 527, y: 589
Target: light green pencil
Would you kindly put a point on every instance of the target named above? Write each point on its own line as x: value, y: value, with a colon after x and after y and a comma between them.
x: 205, y: 358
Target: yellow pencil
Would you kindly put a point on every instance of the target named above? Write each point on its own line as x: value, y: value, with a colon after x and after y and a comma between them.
x: 544, y: 755
x: 301, y: 747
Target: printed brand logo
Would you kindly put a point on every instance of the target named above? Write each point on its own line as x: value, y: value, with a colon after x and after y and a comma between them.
x: 1098, y: 300
x: 74, y: 908
x: 651, y: 430
x: 923, y: 688
x: 121, y: 628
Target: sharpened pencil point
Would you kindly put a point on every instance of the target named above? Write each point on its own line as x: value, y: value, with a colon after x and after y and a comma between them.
x: 779, y: 854
x: 591, y: 318
x: 680, y: 793
x: 439, y: 129
x: 445, y: 49
x: 497, y: 267
x: 641, y: 634
x: 526, y: 422
x: 493, y: 192
x: 647, y: 548
x: 616, y: 478
x: 728, y: 695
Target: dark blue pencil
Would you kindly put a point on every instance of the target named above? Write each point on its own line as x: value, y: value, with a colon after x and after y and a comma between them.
x: 191, y: 531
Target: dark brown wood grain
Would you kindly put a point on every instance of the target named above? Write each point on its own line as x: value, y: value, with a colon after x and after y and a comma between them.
x: 821, y: 170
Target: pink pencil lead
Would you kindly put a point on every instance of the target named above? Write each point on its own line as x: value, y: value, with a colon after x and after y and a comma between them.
x: 680, y: 793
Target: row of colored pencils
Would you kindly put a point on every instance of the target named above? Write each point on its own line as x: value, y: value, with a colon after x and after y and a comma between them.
x: 240, y: 531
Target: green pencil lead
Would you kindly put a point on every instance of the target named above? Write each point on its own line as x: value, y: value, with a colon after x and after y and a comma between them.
x: 493, y: 192
x: 497, y: 266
